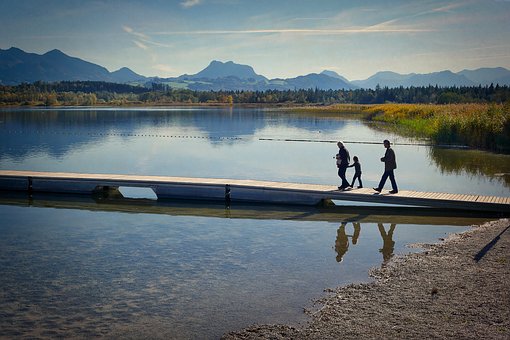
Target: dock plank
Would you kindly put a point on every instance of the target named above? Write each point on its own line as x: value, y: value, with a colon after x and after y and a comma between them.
x: 242, y: 189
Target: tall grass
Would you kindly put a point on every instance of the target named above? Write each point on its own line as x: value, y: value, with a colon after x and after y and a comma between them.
x: 477, y: 125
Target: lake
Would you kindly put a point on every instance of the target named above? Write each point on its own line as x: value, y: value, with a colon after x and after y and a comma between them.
x: 136, y: 267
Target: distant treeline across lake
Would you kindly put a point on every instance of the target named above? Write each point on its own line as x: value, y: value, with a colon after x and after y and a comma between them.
x: 72, y: 93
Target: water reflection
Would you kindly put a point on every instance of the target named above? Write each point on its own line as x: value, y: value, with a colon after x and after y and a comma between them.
x: 472, y: 162
x: 388, y: 243
x: 75, y: 266
x: 61, y: 131
x: 342, y: 240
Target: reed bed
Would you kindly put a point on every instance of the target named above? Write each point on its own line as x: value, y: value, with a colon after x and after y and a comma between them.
x: 477, y: 125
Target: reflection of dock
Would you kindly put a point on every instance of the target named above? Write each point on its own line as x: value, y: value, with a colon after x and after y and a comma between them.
x: 334, y: 214
x: 232, y: 190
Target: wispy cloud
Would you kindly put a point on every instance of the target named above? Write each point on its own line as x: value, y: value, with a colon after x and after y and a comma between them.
x: 442, y: 9
x: 133, y: 32
x: 141, y: 45
x: 447, y: 8
x: 190, y: 3
x: 341, y: 31
x: 312, y: 18
x: 142, y: 40
x: 396, y: 24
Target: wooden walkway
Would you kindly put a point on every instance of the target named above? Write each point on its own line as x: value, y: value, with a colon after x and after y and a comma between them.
x: 239, y: 190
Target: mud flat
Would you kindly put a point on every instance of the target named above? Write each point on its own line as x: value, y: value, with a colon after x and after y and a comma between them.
x: 459, y: 288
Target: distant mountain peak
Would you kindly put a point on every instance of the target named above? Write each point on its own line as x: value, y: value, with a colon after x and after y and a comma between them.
x: 55, y: 52
x: 218, y: 69
x: 123, y: 70
x: 126, y: 75
x: 392, y: 74
x: 333, y: 74
x: 14, y: 49
x: 321, y: 81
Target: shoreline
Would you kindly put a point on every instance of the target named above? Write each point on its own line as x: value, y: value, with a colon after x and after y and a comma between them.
x: 441, y: 292
x: 431, y: 122
x: 161, y: 104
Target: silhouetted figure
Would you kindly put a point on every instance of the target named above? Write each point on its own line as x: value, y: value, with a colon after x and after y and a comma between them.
x: 357, y: 172
x: 388, y: 243
x: 342, y: 239
x: 341, y: 242
x: 342, y: 162
x: 390, y: 164
x: 357, y: 230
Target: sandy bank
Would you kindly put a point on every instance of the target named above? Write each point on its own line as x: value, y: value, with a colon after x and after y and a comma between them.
x: 459, y: 288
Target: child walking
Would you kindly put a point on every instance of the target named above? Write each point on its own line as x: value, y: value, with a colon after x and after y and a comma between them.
x: 357, y: 172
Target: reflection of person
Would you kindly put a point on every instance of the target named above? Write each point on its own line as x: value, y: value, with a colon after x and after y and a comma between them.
x: 357, y: 230
x: 390, y: 164
x: 357, y: 172
x: 342, y: 239
x: 388, y: 243
x: 342, y: 161
x: 341, y: 242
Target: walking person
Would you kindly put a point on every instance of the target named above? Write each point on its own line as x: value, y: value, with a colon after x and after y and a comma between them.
x: 357, y: 172
x: 390, y: 164
x: 342, y: 162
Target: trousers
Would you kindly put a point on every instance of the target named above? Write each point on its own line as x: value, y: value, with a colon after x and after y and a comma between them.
x: 341, y: 174
x: 391, y: 175
x: 358, y: 177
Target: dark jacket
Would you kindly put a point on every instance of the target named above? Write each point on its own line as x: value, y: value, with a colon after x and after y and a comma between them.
x: 390, y: 162
x: 343, y: 156
x: 357, y: 167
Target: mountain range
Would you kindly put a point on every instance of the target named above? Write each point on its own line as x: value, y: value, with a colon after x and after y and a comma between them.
x: 18, y: 66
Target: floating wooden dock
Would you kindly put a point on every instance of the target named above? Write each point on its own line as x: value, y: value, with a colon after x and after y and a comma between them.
x: 232, y: 190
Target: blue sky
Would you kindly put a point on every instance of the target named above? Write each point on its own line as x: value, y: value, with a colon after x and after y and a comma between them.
x: 278, y: 38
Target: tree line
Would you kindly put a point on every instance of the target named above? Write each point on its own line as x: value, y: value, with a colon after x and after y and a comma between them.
x: 97, y: 93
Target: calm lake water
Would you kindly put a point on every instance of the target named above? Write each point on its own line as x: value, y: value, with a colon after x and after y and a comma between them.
x: 77, y: 267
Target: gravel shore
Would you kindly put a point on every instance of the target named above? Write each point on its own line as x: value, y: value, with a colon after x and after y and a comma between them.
x: 459, y: 288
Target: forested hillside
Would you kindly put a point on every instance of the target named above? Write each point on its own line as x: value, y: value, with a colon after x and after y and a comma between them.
x: 99, y: 93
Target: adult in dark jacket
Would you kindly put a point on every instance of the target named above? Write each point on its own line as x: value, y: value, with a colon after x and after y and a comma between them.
x: 390, y: 164
x: 342, y: 162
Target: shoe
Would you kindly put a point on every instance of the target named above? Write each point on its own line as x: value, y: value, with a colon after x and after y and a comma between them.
x: 341, y: 188
x: 394, y: 192
x: 360, y: 186
x: 377, y: 189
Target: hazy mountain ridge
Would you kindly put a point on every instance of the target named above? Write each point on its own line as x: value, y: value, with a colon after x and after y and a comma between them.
x: 17, y: 66
x: 229, y: 76
x: 486, y: 76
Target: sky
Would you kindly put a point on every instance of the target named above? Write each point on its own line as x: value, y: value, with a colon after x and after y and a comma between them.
x: 278, y: 38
